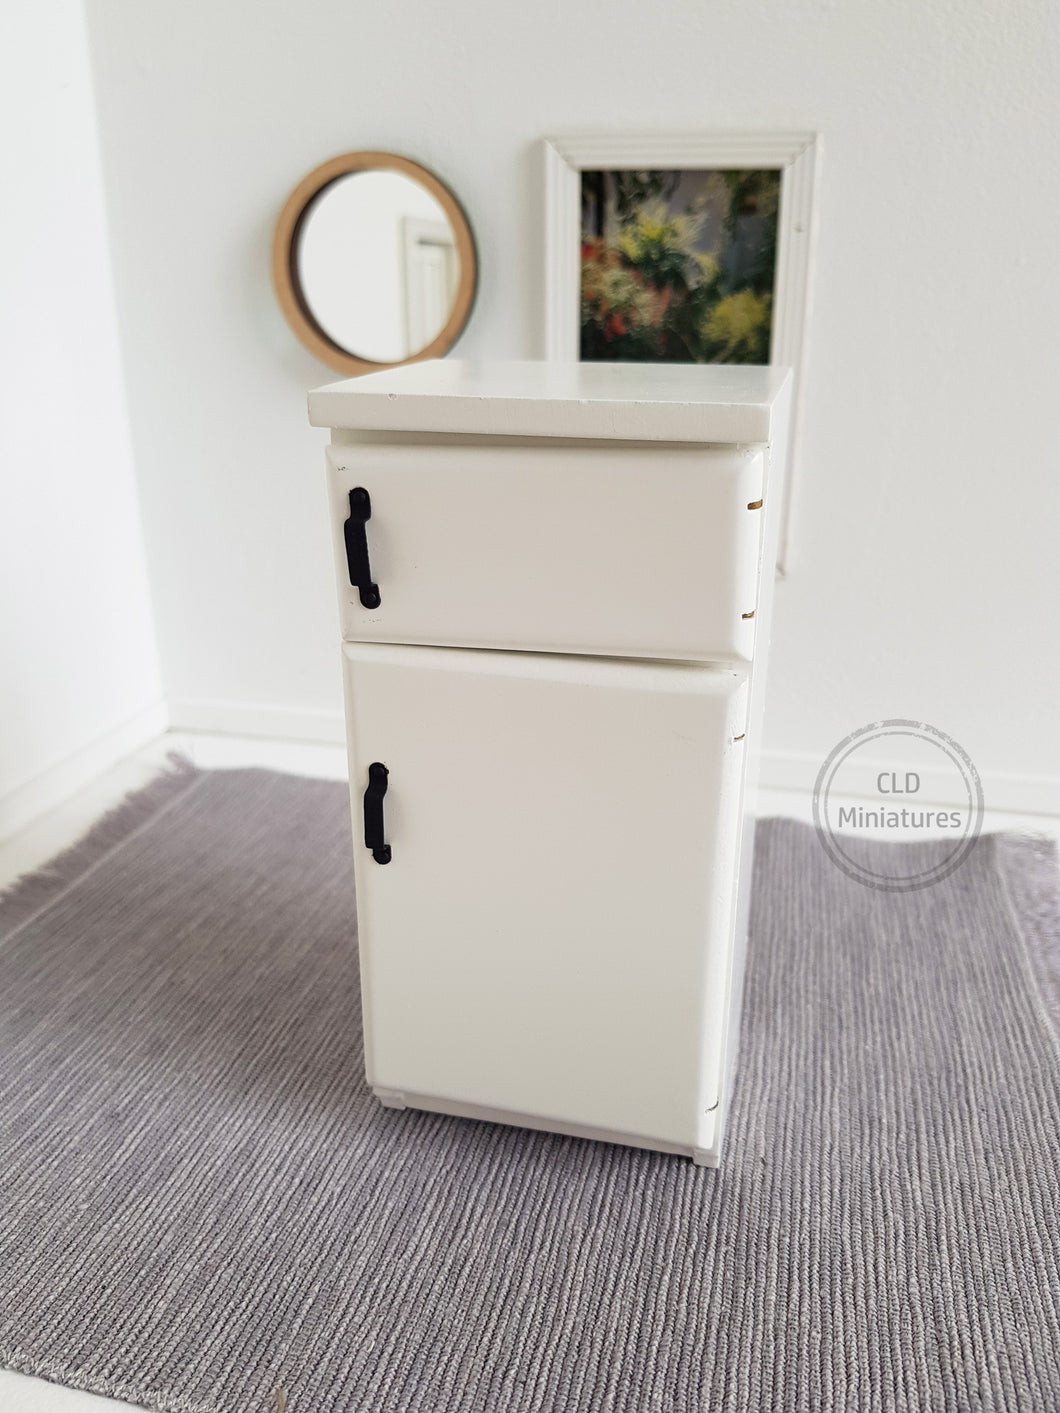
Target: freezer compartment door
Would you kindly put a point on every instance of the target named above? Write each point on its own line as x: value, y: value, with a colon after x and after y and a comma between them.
x: 646, y: 551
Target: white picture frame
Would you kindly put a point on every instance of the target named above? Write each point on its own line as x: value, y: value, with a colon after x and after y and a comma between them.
x: 795, y: 154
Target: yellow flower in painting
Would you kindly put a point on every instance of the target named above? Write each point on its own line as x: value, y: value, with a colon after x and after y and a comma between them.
x: 739, y: 326
x: 654, y: 226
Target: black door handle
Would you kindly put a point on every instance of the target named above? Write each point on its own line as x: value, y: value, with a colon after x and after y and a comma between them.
x: 373, y: 812
x: 356, y: 537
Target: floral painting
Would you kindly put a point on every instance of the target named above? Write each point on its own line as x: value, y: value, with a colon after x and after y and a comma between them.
x: 678, y: 266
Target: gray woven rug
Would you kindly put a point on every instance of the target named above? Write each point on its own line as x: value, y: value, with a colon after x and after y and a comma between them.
x: 200, y: 1204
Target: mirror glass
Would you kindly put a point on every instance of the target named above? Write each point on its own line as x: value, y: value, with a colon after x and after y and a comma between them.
x: 373, y: 262
x: 378, y: 265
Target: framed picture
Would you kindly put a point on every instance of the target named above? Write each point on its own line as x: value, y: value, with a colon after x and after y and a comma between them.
x: 680, y: 248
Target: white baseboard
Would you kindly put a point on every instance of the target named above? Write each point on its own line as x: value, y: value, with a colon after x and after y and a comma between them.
x: 217, y: 751
x: 275, y: 723
x: 1003, y: 792
x: 28, y: 801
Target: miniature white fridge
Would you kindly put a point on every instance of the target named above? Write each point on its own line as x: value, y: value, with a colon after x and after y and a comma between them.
x: 555, y: 584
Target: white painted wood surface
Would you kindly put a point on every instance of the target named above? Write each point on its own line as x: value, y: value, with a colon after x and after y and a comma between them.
x: 21, y: 805
x: 604, y: 401
x: 571, y: 742
x: 551, y: 936
x: 19, y: 1393
x: 628, y: 551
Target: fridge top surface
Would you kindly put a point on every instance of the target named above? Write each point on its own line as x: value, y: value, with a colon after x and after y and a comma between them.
x: 603, y: 401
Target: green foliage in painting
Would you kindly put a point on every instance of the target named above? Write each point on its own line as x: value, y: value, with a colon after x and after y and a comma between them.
x: 681, y: 280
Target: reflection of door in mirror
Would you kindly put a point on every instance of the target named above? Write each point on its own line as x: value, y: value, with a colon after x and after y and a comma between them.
x: 356, y: 273
x: 431, y: 278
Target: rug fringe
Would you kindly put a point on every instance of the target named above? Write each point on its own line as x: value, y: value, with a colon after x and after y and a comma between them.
x: 34, y: 890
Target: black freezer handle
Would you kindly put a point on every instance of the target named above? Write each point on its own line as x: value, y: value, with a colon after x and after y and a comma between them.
x: 356, y: 536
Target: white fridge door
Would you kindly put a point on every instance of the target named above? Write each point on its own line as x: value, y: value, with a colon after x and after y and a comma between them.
x: 549, y: 930
x: 623, y: 551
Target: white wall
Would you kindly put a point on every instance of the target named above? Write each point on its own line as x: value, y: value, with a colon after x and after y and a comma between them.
x: 79, y: 668
x: 923, y: 576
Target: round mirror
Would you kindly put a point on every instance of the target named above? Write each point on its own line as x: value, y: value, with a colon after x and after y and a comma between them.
x: 374, y: 263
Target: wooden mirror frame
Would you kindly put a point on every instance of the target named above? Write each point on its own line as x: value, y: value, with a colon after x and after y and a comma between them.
x: 288, y: 286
